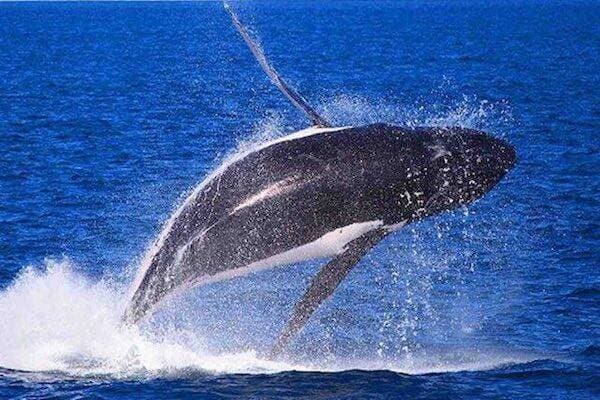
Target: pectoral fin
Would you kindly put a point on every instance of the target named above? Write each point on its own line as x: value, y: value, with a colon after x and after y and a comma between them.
x: 324, y: 283
x: 291, y: 94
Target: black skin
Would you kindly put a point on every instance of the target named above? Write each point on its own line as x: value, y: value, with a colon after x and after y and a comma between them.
x: 331, y: 180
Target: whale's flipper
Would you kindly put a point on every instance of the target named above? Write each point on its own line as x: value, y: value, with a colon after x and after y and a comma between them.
x: 324, y: 283
x: 293, y: 96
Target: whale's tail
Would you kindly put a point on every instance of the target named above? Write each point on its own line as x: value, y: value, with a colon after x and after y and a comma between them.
x: 296, y: 99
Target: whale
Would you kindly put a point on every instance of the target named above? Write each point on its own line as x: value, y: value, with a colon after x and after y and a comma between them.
x: 323, y: 192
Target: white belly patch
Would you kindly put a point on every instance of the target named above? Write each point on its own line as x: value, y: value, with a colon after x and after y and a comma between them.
x: 328, y: 245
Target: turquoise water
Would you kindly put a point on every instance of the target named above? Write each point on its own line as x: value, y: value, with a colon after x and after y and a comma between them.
x: 111, y: 112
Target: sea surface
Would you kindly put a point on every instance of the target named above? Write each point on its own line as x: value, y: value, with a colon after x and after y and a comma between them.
x: 111, y: 112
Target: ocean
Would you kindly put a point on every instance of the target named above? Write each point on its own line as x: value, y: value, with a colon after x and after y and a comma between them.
x: 110, y: 112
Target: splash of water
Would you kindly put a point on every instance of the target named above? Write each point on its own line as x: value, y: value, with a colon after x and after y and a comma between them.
x: 437, y: 109
x: 55, y: 319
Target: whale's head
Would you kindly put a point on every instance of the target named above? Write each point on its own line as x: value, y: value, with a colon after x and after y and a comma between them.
x: 463, y: 165
x: 419, y: 172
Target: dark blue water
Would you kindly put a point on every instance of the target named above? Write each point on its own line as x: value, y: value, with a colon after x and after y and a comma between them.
x: 110, y: 112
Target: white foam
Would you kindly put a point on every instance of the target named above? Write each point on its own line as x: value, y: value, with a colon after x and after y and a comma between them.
x: 54, y: 319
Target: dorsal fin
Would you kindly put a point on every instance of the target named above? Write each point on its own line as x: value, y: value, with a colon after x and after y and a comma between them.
x: 293, y: 96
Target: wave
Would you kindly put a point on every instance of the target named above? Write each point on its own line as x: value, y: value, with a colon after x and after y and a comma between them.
x: 585, y: 293
x: 591, y: 350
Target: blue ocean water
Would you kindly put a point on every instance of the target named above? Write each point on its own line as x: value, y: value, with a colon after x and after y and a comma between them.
x: 111, y: 112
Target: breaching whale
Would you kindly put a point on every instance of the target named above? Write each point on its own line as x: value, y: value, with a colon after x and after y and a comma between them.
x: 322, y: 192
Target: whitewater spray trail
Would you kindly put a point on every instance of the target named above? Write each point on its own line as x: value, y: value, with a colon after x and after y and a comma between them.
x: 55, y: 320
